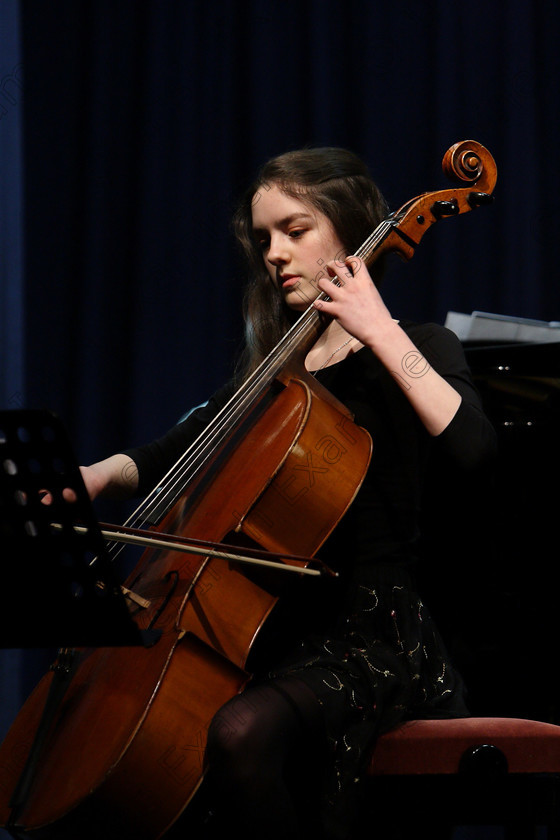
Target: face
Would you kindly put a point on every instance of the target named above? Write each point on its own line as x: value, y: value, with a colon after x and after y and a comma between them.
x: 296, y: 242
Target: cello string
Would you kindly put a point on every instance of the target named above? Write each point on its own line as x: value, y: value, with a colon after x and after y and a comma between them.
x: 230, y: 412
x: 196, y: 456
x: 178, y: 475
x: 202, y: 449
x: 294, y: 336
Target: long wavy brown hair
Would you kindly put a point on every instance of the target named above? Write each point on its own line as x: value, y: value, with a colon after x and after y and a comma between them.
x: 334, y: 181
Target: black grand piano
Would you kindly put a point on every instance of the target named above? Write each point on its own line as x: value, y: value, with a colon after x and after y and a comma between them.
x: 496, y: 543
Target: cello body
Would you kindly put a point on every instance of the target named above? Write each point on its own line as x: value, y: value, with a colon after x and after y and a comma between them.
x: 125, y: 753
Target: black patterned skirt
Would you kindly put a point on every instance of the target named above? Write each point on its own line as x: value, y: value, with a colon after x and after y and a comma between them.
x: 383, y: 663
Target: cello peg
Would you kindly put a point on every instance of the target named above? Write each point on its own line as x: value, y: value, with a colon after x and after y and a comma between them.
x: 476, y: 199
x: 444, y: 208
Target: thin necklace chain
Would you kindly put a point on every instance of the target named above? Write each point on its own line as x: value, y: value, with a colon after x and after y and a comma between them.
x: 338, y: 349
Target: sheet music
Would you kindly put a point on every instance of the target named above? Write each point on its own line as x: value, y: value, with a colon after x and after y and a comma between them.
x: 480, y: 326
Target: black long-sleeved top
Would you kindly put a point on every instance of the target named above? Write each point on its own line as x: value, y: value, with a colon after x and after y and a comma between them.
x: 383, y: 520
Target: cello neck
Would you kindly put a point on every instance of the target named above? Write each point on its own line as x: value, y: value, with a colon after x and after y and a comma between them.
x: 285, y: 359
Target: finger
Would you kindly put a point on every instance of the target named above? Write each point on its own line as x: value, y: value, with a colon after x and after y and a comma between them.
x: 45, y: 497
x: 337, y: 276
x: 322, y: 305
x: 330, y: 287
x: 353, y: 265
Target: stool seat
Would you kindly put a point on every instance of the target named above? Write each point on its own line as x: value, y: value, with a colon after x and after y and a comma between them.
x: 438, y: 746
x: 427, y: 777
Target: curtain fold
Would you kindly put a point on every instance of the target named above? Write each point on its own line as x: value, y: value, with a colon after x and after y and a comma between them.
x: 12, y: 368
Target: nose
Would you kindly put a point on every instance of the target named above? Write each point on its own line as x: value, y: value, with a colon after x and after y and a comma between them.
x: 278, y: 253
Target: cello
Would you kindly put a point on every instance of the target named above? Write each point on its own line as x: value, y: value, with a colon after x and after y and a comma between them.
x: 277, y: 467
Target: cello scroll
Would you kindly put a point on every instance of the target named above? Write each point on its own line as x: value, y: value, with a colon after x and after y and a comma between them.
x: 466, y: 163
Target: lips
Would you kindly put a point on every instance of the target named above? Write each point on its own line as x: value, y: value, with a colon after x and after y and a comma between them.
x: 288, y: 280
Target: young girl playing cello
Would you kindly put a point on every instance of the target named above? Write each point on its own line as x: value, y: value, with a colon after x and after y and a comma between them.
x: 366, y: 655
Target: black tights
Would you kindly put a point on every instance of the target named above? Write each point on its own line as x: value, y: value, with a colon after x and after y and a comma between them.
x: 265, y: 751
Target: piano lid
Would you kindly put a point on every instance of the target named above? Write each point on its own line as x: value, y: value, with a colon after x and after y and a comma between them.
x: 488, y: 327
x: 519, y: 380
x: 519, y: 383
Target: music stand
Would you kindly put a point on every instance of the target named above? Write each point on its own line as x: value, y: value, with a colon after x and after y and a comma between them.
x: 59, y: 581
x: 61, y: 587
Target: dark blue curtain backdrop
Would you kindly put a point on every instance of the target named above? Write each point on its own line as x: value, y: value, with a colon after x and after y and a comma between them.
x: 12, y: 664
x: 143, y: 121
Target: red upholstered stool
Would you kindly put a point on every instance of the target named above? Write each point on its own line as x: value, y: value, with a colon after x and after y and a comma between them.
x: 429, y: 776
